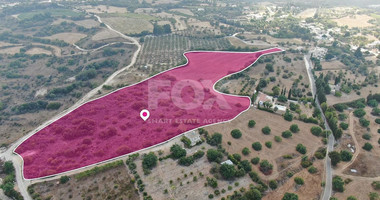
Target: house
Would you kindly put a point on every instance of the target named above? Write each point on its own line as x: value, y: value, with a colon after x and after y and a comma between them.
x: 334, y: 88
x: 194, y: 137
x: 261, y: 98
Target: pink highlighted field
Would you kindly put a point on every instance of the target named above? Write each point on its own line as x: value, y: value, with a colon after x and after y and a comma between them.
x: 179, y: 100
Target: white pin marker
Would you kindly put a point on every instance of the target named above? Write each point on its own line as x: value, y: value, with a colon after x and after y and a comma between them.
x: 144, y: 114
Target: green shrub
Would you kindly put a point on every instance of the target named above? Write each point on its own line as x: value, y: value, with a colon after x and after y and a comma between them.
x: 312, y: 170
x: 343, y: 125
x: 227, y: 171
x: 367, y: 146
x: 288, y: 116
x: 273, y: 184
x: 64, y: 179
x: 268, y: 144
x: 301, y: 148
x: 294, y: 128
x: 338, y: 184
x: 212, y: 182
x: 366, y: 136
x: 265, y: 167
x: 277, y: 138
x: 286, y: 134
x: 290, y: 196
x: 363, y: 122
x: 345, y: 155
x: 376, y: 185
x: 299, y: 180
x: 256, y: 146
x: 316, y: 130
x: 215, y: 139
x: 351, y: 198
x: 198, y: 154
x: 177, y: 151
x: 245, y: 151
x: 255, y: 160
x: 186, y: 161
x: 236, y: 133
x: 214, y: 155
x: 359, y: 112
x: 186, y: 141
x: 266, y: 130
x: 251, y: 123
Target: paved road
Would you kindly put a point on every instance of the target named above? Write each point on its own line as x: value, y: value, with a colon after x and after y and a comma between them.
x: 17, y: 161
x: 330, y: 145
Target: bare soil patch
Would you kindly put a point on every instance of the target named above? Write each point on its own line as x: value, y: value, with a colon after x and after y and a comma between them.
x: 37, y: 50
x: 354, y: 21
x: 67, y: 37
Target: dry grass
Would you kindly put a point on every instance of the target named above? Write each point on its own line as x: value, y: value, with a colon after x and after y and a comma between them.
x: 104, y: 34
x: 129, y: 25
x: 354, y: 21
x: 333, y: 65
x: 70, y: 38
x: 184, y: 11
x: 157, y: 2
x: 111, y: 184
x: 167, y: 170
x: 5, y: 44
x: 11, y: 50
x: 104, y: 9
x: 359, y: 188
x: 37, y: 50
x: 367, y: 162
x: 199, y: 24
x: 239, y: 43
x: 87, y: 23
x: 270, y: 39
x: 251, y: 135
x: 311, y: 190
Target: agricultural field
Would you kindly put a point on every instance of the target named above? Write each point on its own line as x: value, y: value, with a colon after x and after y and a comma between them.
x: 360, y: 21
x: 164, y: 52
x: 129, y: 25
x: 112, y: 183
x: 30, y: 73
x: 190, y: 181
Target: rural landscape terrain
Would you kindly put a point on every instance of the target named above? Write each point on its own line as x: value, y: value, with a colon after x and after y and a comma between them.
x: 273, y: 100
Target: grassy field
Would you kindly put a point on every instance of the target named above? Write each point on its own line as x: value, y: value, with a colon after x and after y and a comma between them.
x: 130, y: 15
x: 129, y: 25
x: 53, y: 12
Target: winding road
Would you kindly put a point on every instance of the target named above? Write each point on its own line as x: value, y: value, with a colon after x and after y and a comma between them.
x: 331, y: 141
x: 17, y: 161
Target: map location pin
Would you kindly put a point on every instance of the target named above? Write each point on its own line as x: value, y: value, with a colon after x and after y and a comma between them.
x: 144, y: 114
